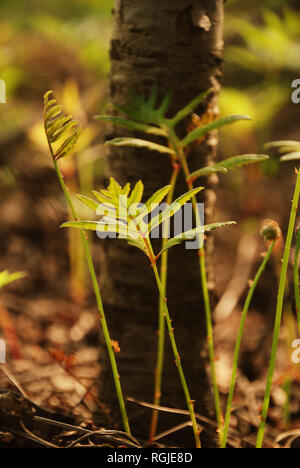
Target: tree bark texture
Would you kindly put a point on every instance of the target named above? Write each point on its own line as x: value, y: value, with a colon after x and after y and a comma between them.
x: 177, y: 44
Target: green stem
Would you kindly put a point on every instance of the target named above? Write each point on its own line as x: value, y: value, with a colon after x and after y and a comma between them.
x: 286, y: 409
x: 203, y: 274
x: 280, y: 299
x: 296, y: 278
x: 99, y: 302
x: 161, y: 330
x: 189, y: 401
x: 238, y: 344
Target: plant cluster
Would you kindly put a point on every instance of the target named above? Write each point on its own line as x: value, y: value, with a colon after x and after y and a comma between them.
x: 122, y: 214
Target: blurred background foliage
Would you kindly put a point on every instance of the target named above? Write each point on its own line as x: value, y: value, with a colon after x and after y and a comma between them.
x: 261, y: 60
x: 65, y: 46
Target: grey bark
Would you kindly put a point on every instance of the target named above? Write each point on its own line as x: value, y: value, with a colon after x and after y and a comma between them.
x: 177, y: 44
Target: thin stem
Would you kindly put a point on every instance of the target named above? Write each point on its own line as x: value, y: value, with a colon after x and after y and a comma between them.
x: 296, y: 278
x: 280, y: 299
x: 203, y: 274
x: 238, y: 344
x: 99, y: 301
x: 161, y: 330
x: 288, y: 382
x: 189, y: 401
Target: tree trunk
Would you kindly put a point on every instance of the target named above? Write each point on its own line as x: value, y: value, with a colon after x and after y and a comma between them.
x: 177, y: 44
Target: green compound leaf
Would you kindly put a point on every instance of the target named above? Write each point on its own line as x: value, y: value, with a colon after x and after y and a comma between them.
x: 189, y: 108
x: 206, y: 171
x: 289, y: 144
x: 61, y: 130
x: 6, y: 277
x: 131, y: 125
x: 192, y: 235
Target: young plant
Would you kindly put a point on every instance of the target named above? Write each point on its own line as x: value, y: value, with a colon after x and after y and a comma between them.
x: 122, y: 215
x: 292, y: 148
x: 146, y: 117
x: 62, y: 134
x: 271, y: 233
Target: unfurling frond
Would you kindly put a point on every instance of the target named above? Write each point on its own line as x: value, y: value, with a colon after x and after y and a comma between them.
x: 61, y: 130
x: 138, y: 143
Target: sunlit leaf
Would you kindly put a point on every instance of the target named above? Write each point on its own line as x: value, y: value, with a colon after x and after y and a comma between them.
x: 192, y: 235
x: 244, y: 160
x: 152, y: 203
x: 99, y: 226
x: 279, y: 143
x: 7, y: 278
x: 90, y: 202
x: 291, y: 157
x: 138, y: 243
x: 87, y: 225
x: 229, y: 164
x: 137, y: 143
x: 189, y: 108
x: 206, y: 171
